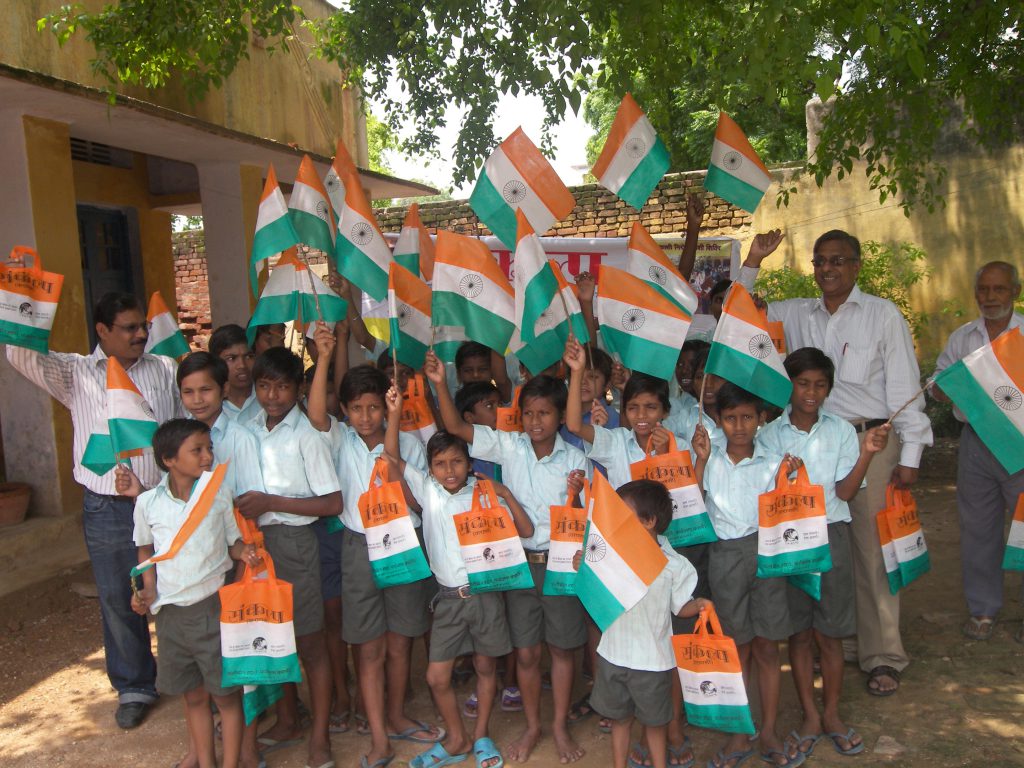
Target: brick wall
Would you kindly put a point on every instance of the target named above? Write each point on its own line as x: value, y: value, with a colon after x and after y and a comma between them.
x: 598, y: 213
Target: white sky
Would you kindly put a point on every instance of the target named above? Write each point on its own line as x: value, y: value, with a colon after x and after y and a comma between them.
x: 570, y: 143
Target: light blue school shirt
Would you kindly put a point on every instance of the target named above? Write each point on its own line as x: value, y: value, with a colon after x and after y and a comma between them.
x: 731, y: 490
x: 615, y: 449
x: 440, y: 537
x: 353, y: 463
x: 250, y: 408
x: 197, y: 571
x: 536, y: 483
x: 682, y: 422
x: 579, y: 442
x: 829, y: 451
x: 237, y: 447
x: 296, y: 462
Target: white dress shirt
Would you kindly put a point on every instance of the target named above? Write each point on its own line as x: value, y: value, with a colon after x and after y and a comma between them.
x: 79, y: 383
x: 876, y: 368
x: 968, y: 338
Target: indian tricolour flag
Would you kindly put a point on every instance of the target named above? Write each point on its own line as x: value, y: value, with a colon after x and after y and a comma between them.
x: 742, y: 351
x: 647, y: 261
x: 274, y: 230
x: 362, y: 252
x: 987, y: 385
x: 736, y: 174
x: 471, y: 291
x: 639, y: 325
x: 447, y: 340
x: 535, y: 283
x: 341, y: 168
x: 99, y: 451
x: 165, y: 337
x: 1013, y: 557
x: 561, y: 316
x: 620, y: 558
x: 196, y: 508
x: 310, y: 209
x: 409, y: 310
x: 517, y: 177
x: 130, y: 418
x: 633, y: 159
x: 414, y: 249
x: 293, y: 289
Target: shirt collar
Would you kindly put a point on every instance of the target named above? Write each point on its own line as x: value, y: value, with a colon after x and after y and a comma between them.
x: 99, y: 358
x: 823, y: 416
x: 856, y: 297
x: 760, y: 454
x: 291, y: 419
x: 164, y: 487
x: 978, y: 324
x: 220, y: 426
x: 467, y: 488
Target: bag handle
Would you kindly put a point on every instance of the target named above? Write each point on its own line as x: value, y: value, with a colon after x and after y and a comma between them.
x: 897, y: 497
x: 18, y: 255
x: 672, y: 447
x: 380, y: 474
x: 782, y: 476
x: 708, y: 619
x: 484, y: 489
x: 250, y: 573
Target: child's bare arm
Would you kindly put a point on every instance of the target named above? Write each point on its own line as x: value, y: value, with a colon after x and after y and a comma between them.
x: 701, y: 445
x: 254, y: 503
x: 694, y: 217
x: 341, y: 333
x: 574, y: 488
x: 147, y: 595
x: 575, y: 358
x: 433, y: 369
x: 585, y: 285
x: 126, y: 482
x: 243, y: 552
x: 874, y: 441
x: 316, y: 402
x: 500, y: 375
x: 694, y: 607
x: 577, y: 559
x: 523, y: 523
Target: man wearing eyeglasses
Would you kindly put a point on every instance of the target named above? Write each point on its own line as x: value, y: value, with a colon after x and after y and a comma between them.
x: 876, y: 374
x: 79, y: 382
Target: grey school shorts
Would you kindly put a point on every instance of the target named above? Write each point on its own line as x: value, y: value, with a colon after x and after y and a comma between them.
x: 367, y: 612
x: 620, y: 693
x: 535, y: 618
x: 296, y: 555
x: 475, y: 624
x: 330, y: 559
x: 747, y: 606
x: 188, y: 644
x: 835, y: 615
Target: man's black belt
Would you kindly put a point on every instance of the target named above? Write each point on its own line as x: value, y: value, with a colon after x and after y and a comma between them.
x: 866, y: 424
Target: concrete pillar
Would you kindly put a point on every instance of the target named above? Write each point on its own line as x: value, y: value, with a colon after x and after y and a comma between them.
x: 37, y: 208
x: 230, y: 196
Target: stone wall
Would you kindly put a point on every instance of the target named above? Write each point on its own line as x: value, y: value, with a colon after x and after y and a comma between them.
x: 192, y: 292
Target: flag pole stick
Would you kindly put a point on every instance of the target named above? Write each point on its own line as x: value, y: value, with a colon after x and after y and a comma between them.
x: 910, y: 402
x: 312, y: 286
x: 700, y: 400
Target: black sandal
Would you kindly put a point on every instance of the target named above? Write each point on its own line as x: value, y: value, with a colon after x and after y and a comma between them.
x: 882, y: 671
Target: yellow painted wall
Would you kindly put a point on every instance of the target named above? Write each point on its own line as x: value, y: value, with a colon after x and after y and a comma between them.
x: 51, y: 178
x: 982, y: 221
x: 311, y: 109
x: 123, y: 187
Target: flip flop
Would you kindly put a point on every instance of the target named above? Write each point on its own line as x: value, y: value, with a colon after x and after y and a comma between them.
x: 485, y: 749
x: 581, y: 710
x: 362, y: 724
x: 339, y: 723
x: 471, y: 707
x: 801, y: 740
x: 328, y: 764
x: 791, y: 762
x: 268, y: 745
x: 676, y: 754
x: 724, y: 759
x: 636, y: 748
x: 511, y: 699
x: 436, y: 757
x: 382, y: 763
x: 856, y: 749
x: 419, y: 725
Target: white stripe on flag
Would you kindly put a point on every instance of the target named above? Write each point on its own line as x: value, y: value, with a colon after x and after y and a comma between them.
x: 624, y: 162
x: 989, y: 374
x: 615, y: 574
x: 411, y: 321
x: 125, y: 404
x: 642, y: 321
x: 501, y: 172
x: 738, y: 334
x: 747, y: 170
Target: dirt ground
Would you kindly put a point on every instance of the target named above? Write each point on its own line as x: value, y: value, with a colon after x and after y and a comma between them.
x: 961, y: 703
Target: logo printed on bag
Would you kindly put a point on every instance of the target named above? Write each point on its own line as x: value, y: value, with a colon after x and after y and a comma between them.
x: 790, y: 536
x: 489, y: 555
x: 708, y: 688
x: 25, y: 309
x: 259, y: 644
x: 386, y: 541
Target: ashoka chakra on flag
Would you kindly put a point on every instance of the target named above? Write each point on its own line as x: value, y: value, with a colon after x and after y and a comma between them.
x: 514, y: 192
x: 596, y: 548
x: 362, y: 233
x: 634, y: 319
x: 760, y: 346
x: 1008, y: 398
x: 471, y: 286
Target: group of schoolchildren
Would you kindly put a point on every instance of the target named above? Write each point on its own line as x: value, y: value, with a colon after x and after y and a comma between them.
x: 302, y: 448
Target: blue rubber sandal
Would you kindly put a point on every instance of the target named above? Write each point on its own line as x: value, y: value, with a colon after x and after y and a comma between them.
x: 417, y: 727
x: 484, y: 749
x: 791, y: 762
x: 724, y: 759
x: 856, y: 749
x: 436, y: 757
x: 636, y: 748
x: 799, y: 742
x: 674, y: 758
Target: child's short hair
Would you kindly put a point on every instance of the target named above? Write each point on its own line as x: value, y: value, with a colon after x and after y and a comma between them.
x: 810, y: 359
x: 363, y: 380
x: 545, y: 386
x: 642, y: 384
x: 651, y: 501
x: 203, y: 361
x: 442, y: 441
x: 468, y: 349
x: 226, y: 336
x: 721, y: 286
x: 601, y: 360
x: 468, y: 395
x: 263, y: 330
x: 170, y: 435
x: 696, y: 346
x: 730, y: 396
x: 700, y: 360
x: 278, y: 363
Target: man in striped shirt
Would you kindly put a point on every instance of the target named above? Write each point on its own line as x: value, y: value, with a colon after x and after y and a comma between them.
x: 79, y: 382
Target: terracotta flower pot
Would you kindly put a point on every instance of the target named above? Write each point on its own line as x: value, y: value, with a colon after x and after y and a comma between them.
x: 14, y: 498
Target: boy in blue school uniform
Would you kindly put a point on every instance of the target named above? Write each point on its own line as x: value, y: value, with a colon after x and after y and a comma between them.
x: 835, y: 460
x: 462, y: 618
x: 478, y: 403
x: 753, y: 611
x: 380, y: 623
x: 182, y: 591
x: 536, y: 466
x: 230, y: 344
x: 300, y: 486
